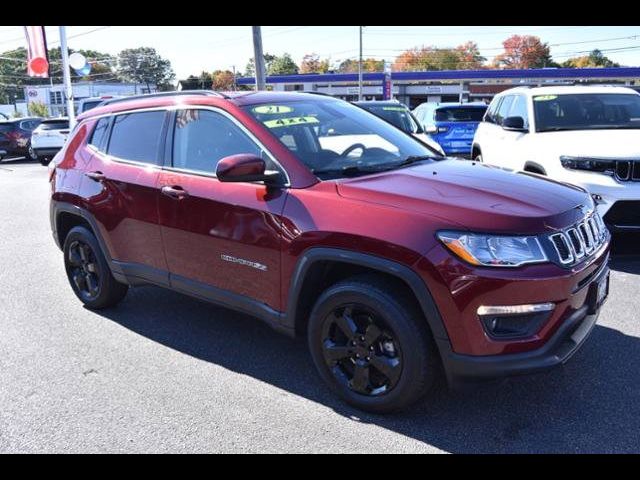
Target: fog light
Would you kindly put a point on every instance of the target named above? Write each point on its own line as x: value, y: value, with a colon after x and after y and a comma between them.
x: 514, y: 321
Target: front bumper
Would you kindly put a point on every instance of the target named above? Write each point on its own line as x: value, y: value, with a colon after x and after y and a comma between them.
x: 557, y: 350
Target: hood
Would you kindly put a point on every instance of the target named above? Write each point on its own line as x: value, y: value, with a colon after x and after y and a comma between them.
x: 593, y: 143
x: 476, y: 196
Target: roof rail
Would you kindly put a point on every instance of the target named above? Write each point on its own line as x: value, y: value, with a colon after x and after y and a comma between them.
x: 208, y: 93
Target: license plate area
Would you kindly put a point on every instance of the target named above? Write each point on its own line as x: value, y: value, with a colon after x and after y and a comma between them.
x: 598, y: 293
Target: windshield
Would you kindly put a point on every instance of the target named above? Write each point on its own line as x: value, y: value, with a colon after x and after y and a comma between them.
x: 396, y: 115
x: 460, y: 114
x: 335, y: 138
x: 586, y: 111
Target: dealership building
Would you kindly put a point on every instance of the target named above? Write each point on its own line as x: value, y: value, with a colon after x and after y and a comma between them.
x: 54, y: 98
x: 414, y: 88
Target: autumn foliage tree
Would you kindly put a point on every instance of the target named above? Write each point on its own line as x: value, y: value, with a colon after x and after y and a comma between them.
x: 222, y: 80
x: 463, y: 57
x: 524, y: 51
x: 368, y: 65
x: 311, y: 63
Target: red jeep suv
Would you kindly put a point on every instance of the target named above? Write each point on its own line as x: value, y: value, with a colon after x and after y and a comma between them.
x: 323, y: 220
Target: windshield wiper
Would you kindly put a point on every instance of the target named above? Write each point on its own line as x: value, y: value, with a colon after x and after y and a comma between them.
x: 353, y: 170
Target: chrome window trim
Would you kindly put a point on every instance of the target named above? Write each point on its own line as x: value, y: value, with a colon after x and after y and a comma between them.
x: 169, y: 108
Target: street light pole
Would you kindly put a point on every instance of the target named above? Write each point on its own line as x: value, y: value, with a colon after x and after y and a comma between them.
x: 258, y: 58
x: 67, y: 77
x: 360, y: 69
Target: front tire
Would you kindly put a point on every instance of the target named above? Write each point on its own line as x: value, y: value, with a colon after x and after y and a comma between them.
x: 88, y: 271
x: 371, y: 346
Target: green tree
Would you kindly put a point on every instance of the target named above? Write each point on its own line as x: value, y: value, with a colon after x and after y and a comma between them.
x: 594, y: 59
x: 250, y: 69
x: 17, y: 114
x: 282, y: 65
x: 144, y: 65
x: 38, y: 109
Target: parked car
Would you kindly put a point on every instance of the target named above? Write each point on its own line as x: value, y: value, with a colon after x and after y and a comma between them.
x: 588, y: 136
x: 452, y: 125
x: 393, y: 265
x: 15, y: 137
x: 49, y: 138
x: 87, y: 104
x: 399, y: 115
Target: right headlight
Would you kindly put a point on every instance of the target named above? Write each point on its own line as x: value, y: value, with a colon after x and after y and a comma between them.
x: 494, y: 250
x: 600, y: 165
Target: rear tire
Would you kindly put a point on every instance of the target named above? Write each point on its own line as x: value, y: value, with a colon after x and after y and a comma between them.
x: 478, y: 158
x: 44, y: 161
x: 31, y: 154
x: 88, y: 271
x: 371, y: 346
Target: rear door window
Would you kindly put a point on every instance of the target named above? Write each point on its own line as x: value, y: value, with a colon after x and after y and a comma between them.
x: 136, y: 136
x: 54, y: 125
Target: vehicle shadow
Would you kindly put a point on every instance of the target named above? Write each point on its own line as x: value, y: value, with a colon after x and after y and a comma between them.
x: 590, y: 405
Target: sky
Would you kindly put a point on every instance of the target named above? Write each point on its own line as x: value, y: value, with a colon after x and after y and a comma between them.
x: 193, y: 49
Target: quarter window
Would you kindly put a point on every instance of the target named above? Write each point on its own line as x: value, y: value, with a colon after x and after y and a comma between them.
x: 492, y: 110
x: 202, y: 138
x: 136, y: 136
x: 100, y: 133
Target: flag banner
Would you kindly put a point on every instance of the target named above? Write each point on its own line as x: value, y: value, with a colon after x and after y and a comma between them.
x: 37, y: 56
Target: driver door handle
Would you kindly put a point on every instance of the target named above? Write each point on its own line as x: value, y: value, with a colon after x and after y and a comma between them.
x: 174, y: 192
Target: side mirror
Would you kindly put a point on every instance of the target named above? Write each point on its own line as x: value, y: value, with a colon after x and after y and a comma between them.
x: 430, y: 129
x: 515, y: 124
x: 246, y: 167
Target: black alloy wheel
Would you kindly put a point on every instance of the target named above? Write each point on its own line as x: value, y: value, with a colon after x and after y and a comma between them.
x: 84, y: 270
x: 361, y: 350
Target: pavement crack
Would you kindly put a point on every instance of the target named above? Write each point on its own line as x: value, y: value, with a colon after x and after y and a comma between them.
x: 89, y: 372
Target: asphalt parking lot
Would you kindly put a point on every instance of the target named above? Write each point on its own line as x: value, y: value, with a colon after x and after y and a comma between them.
x: 166, y: 373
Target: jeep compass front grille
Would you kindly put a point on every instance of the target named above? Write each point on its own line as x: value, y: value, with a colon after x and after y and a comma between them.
x: 580, y: 241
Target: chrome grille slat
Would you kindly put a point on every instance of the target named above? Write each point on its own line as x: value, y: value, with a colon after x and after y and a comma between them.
x: 579, y: 241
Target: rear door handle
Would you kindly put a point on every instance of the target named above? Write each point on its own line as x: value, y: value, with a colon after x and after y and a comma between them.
x: 97, y: 176
x: 174, y: 192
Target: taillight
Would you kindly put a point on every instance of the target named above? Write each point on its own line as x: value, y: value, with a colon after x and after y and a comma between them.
x: 52, y: 170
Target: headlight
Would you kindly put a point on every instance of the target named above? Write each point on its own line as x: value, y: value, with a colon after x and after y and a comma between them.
x: 601, y: 165
x: 493, y: 250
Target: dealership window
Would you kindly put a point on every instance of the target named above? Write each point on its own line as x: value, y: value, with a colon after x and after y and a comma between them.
x: 55, y: 98
x: 136, y: 136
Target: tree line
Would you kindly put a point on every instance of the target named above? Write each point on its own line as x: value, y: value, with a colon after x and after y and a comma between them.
x: 139, y: 65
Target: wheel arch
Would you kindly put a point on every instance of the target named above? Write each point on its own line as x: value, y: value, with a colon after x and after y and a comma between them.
x: 318, y: 268
x: 65, y: 216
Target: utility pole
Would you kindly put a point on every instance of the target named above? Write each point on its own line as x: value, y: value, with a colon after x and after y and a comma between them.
x: 360, y: 69
x: 258, y: 58
x: 67, y: 77
x: 234, y: 77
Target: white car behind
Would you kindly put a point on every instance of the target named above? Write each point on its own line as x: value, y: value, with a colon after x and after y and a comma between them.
x: 588, y: 136
x: 49, y: 138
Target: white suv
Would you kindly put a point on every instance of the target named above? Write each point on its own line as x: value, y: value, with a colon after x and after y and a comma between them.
x: 49, y: 138
x: 588, y: 136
